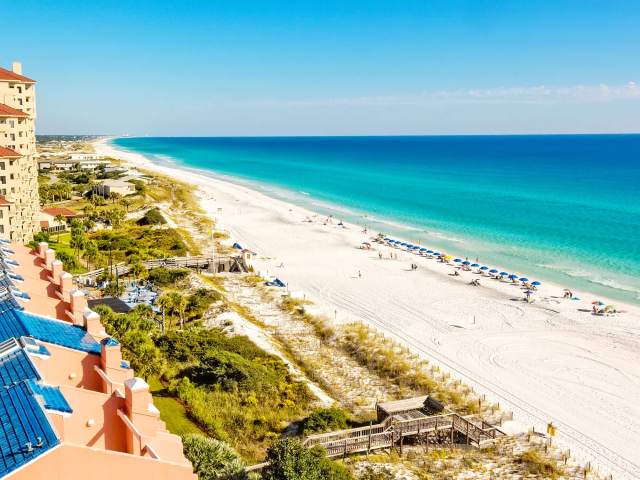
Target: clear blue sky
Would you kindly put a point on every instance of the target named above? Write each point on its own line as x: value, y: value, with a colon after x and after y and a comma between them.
x: 329, y: 67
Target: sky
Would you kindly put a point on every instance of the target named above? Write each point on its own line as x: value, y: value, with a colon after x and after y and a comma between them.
x: 349, y: 67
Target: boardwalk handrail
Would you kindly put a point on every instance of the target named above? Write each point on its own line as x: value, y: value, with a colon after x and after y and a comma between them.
x: 392, y: 429
x: 122, y: 268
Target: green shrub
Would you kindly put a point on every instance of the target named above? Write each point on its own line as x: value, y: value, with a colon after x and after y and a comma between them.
x: 289, y: 460
x: 164, y: 277
x: 152, y: 217
x: 213, y: 459
x: 325, y: 420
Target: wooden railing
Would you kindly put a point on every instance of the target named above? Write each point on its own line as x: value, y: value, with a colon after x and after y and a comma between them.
x: 197, y: 262
x: 392, y: 430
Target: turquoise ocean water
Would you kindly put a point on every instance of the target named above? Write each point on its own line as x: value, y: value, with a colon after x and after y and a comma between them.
x: 564, y: 208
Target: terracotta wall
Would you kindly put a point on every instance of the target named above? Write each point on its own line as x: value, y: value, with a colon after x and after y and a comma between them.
x: 69, y: 367
x: 71, y: 462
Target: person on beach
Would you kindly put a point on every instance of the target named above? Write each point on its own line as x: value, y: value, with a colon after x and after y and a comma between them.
x: 380, y: 255
x: 359, y: 274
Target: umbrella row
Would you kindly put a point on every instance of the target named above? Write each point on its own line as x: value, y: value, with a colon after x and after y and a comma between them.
x: 483, y: 268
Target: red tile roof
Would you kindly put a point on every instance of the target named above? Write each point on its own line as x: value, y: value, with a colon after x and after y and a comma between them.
x: 65, y: 212
x: 8, y: 153
x: 13, y: 77
x: 7, y: 111
x: 4, y: 201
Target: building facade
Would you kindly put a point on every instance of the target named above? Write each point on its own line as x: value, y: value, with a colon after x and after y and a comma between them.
x: 19, y: 201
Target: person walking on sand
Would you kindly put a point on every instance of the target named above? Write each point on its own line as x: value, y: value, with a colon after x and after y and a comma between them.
x: 359, y: 274
x: 380, y: 255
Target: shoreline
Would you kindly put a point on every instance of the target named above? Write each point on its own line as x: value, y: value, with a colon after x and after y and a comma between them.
x: 518, y: 354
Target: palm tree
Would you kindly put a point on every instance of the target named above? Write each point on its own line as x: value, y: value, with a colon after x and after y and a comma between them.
x: 91, y: 252
x: 164, y: 303
x: 59, y: 219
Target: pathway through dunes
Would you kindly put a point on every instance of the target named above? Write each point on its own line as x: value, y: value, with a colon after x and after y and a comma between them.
x: 546, y: 361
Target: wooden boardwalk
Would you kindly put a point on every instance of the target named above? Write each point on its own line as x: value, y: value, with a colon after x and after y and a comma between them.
x: 224, y: 263
x: 394, y: 430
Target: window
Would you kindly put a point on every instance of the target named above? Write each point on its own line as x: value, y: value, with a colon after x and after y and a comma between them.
x: 11, y: 176
x: 3, y: 180
x: 2, y: 166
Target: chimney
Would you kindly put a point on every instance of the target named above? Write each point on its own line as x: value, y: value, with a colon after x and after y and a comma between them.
x: 66, y: 285
x: 56, y: 270
x: 49, y: 257
x: 92, y: 324
x: 78, y: 304
x: 42, y: 248
x: 110, y: 354
x: 140, y: 408
x: 17, y: 68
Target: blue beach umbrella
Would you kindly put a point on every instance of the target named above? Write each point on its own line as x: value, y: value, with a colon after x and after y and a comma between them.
x: 437, y: 254
x: 504, y: 273
x: 524, y: 279
x: 513, y: 277
x: 475, y: 264
x: 457, y: 260
x: 429, y: 251
x: 416, y: 247
x: 493, y: 270
x: 484, y: 268
x: 466, y: 262
x: 422, y: 249
x: 536, y: 283
x: 403, y: 244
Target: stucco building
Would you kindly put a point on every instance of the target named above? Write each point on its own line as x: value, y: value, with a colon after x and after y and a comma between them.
x: 71, y: 407
x: 19, y: 202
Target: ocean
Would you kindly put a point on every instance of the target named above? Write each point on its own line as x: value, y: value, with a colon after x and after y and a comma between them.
x: 565, y: 208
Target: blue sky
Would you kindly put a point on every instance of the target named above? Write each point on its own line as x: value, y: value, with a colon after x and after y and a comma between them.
x: 329, y: 67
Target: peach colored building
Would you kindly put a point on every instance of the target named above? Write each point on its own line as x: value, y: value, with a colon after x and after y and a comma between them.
x: 19, y: 202
x: 70, y: 406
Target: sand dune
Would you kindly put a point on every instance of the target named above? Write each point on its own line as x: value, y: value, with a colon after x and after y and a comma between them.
x: 547, y: 361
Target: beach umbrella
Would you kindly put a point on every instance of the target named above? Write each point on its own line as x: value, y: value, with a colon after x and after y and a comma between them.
x: 436, y: 253
x: 536, y: 283
x: 504, y: 273
x: 416, y: 247
x: 513, y: 277
x: 493, y: 270
x: 422, y: 249
x: 429, y: 251
x: 475, y: 264
x: 403, y: 244
x: 466, y: 262
x: 524, y: 279
x: 597, y: 302
x: 458, y: 260
x: 484, y: 268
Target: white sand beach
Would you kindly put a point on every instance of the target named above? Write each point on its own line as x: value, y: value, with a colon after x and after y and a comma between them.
x: 548, y: 361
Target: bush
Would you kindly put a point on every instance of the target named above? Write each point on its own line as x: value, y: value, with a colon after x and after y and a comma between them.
x: 69, y: 262
x: 213, y: 459
x: 289, y: 460
x: 325, y: 420
x: 152, y: 217
x: 164, y: 277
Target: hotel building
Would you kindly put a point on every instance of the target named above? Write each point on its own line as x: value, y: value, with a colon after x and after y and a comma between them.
x: 70, y: 406
x: 19, y: 202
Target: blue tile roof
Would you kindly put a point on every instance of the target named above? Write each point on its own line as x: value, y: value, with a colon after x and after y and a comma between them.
x: 16, y: 323
x: 25, y: 431
x: 52, y: 397
x: 58, y: 332
x: 15, y: 367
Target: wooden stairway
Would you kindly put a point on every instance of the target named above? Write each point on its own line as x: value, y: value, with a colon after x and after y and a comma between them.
x: 393, y: 430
